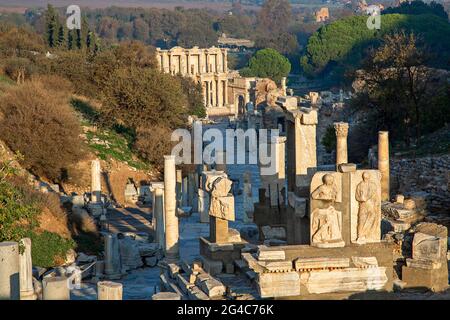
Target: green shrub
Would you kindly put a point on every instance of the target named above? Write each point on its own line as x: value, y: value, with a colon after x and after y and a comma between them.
x: 18, y: 211
x: 39, y: 123
x: 49, y: 249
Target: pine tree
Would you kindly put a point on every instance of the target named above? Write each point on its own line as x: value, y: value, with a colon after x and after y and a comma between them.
x: 79, y: 39
x: 51, y: 19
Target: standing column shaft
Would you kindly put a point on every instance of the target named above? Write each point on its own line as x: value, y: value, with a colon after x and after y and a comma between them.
x: 9, y: 271
x: 341, y: 142
x: 112, y: 256
x: 383, y: 163
x: 158, y: 207
x: 171, y: 220
x: 179, y: 187
x: 96, y: 184
x: 26, y: 272
x: 107, y: 290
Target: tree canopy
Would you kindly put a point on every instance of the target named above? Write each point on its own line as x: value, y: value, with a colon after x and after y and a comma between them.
x: 268, y: 63
x: 341, y: 45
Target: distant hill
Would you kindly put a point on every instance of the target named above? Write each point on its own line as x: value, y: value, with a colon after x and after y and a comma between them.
x: 169, y: 4
x: 341, y: 45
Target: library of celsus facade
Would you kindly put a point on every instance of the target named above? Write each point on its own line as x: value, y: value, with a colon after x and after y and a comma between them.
x: 206, y: 66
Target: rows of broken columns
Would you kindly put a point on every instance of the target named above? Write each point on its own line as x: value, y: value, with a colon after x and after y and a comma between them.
x: 325, y: 221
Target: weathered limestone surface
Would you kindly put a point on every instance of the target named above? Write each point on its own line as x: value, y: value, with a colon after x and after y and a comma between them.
x: 96, y: 181
x: 113, y: 265
x: 383, y: 164
x: 209, y: 285
x: 170, y: 218
x: 166, y: 296
x: 203, y: 205
x: 348, y: 279
x: 107, y: 290
x: 158, y: 213
x: 269, y: 255
x: 321, y: 263
x: 9, y: 271
x: 55, y: 288
x: 429, y: 265
x: 26, y: 272
x: 301, y: 149
x: 425, y: 179
x: 341, y: 129
x: 326, y: 220
x: 272, y: 285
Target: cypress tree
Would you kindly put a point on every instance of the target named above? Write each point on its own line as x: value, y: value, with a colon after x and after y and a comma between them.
x: 69, y: 40
x: 61, y: 36
x: 51, y: 19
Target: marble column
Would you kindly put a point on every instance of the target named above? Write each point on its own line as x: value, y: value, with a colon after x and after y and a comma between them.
x: 205, y: 95
x: 214, y: 92
x: 9, y: 271
x: 383, y: 163
x: 170, y: 204
x: 179, y: 188
x: 225, y: 61
x: 225, y: 95
x: 188, y: 57
x: 283, y: 86
x: 55, y: 288
x: 96, y: 182
x: 108, y: 290
x: 113, y: 265
x: 341, y: 129
x: 209, y: 93
x: 249, y: 206
x: 158, y: 211
x: 184, y: 193
x: 219, y: 93
x: 26, y: 272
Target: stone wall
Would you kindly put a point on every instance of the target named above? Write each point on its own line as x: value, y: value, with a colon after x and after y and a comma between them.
x: 428, y: 175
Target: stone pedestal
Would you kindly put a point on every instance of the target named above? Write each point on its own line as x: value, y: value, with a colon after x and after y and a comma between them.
x: 158, y: 213
x: 216, y: 256
x: 96, y: 182
x: 9, y: 271
x: 55, y: 288
x: 113, y: 265
x: 166, y: 296
x: 107, y: 290
x: 26, y: 272
x: 218, y: 230
x: 170, y: 202
x: 341, y: 142
x: 383, y: 163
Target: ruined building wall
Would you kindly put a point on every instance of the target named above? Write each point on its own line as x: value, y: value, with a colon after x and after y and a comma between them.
x: 430, y: 175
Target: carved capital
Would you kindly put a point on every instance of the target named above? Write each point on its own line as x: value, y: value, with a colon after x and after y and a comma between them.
x: 341, y: 129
